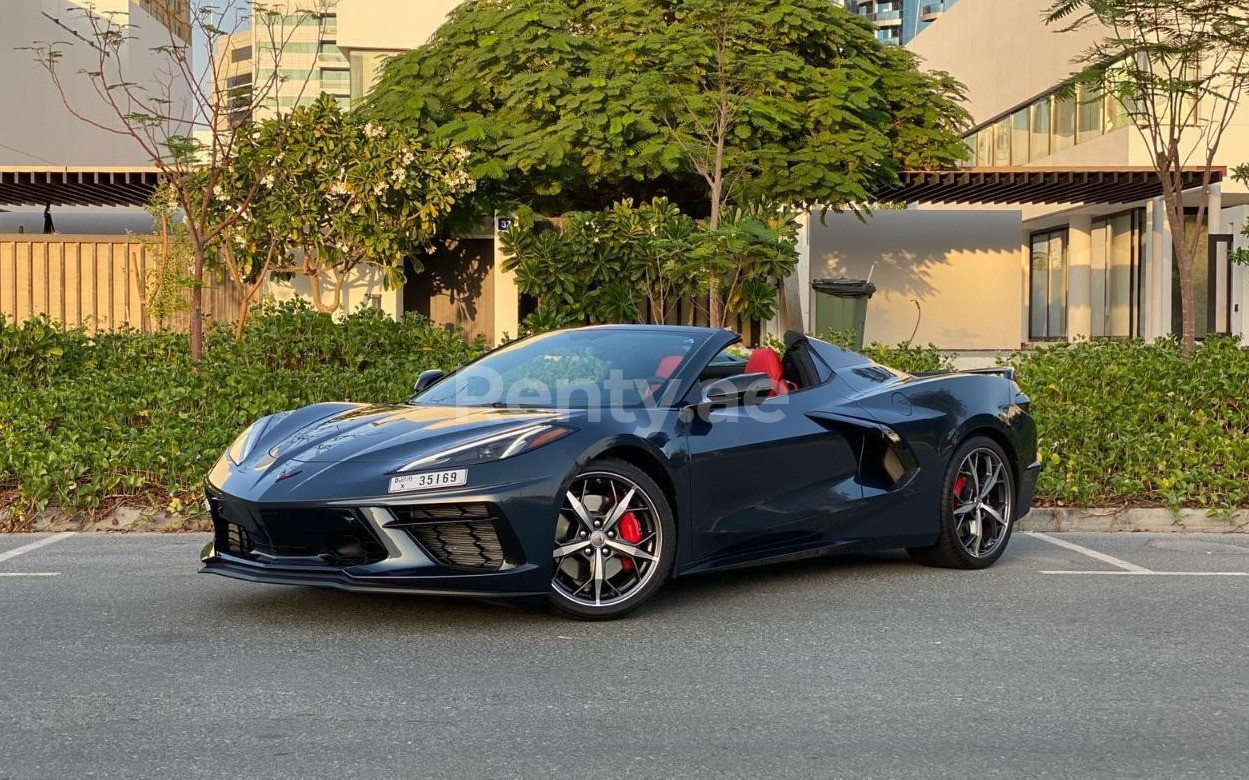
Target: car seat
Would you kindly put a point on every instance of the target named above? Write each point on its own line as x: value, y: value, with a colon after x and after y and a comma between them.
x: 765, y: 361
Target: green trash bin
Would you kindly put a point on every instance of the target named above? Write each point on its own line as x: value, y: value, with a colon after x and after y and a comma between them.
x: 841, y: 305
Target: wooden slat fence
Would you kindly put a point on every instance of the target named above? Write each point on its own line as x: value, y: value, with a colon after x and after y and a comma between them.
x: 94, y: 281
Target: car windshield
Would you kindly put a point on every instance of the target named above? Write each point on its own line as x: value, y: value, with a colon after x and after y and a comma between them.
x: 594, y: 367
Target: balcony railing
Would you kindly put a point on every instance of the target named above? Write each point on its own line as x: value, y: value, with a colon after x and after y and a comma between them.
x: 930, y: 11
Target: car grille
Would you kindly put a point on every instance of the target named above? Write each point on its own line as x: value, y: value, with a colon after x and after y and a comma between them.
x: 337, y: 537
x: 458, y: 536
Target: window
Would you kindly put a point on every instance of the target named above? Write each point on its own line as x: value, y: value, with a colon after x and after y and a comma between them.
x: 1089, y: 114
x: 1047, y: 307
x: 241, y: 54
x: 1115, y: 292
x: 1064, y: 124
x: 1001, y: 144
x: 984, y: 147
x: 1040, y: 142
x: 1019, y: 122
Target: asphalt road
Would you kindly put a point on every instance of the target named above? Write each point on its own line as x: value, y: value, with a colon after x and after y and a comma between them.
x: 128, y: 664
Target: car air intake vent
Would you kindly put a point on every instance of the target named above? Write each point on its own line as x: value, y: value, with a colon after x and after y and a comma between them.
x: 234, y: 540
x: 473, y: 545
x: 440, y: 513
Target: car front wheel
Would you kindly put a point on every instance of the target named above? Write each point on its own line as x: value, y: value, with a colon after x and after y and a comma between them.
x: 615, y: 541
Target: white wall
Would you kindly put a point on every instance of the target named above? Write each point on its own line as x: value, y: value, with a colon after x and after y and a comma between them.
x: 964, y: 268
x: 390, y: 25
x: 37, y: 129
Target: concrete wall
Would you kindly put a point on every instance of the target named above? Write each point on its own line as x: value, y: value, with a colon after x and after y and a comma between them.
x: 964, y: 268
x: 390, y: 25
x: 37, y: 128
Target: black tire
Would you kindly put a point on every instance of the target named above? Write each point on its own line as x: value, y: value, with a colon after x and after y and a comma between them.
x: 602, y: 542
x: 966, y: 516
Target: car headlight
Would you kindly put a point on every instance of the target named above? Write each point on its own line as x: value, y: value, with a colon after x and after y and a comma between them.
x: 491, y: 448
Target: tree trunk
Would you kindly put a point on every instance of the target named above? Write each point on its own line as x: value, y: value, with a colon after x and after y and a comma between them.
x: 715, y: 306
x: 1180, y: 245
x: 197, y: 302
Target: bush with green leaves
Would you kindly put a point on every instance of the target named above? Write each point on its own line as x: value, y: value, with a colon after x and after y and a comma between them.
x: 87, y: 423
x: 1126, y: 423
x: 636, y: 263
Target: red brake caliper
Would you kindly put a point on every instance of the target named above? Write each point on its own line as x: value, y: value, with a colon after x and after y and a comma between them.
x: 960, y: 482
x: 631, y: 532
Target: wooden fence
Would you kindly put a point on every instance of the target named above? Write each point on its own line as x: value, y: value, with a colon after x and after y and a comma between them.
x: 94, y: 281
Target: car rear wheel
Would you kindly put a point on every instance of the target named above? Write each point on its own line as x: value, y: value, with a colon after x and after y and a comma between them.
x: 977, y: 506
x: 615, y: 541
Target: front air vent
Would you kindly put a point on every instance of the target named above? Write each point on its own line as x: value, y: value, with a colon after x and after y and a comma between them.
x: 235, y: 541
x: 461, y: 545
x: 440, y: 513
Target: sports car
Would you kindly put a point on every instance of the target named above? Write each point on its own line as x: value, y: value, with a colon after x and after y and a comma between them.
x: 586, y: 467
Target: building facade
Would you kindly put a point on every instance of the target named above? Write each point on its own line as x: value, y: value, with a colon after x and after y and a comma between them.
x: 286, y: 59
x: 898, y: 21
x: 1095, y: 269
x: 38, y: 129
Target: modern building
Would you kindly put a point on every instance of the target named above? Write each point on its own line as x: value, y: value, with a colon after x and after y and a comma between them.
x: 370, y: 31
x: 38, y: 128
x: 285, y: 59
x: 898, y: 21
x: 1056, y: 231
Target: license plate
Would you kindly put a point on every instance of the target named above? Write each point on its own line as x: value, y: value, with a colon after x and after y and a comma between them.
x: 428, y: 481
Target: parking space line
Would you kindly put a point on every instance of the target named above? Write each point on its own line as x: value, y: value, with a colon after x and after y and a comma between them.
x: 30, y: 574
x: 1130, y: 568
x: 1161, y: 573
x: 35, y: 545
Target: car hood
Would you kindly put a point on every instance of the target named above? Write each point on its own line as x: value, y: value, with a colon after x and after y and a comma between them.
x: 395, y: 433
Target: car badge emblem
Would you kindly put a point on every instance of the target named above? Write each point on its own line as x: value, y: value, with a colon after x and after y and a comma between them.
x: 287, y: 474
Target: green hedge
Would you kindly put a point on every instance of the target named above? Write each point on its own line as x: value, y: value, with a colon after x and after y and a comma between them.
x: 86, y: 423
x: 1125, y: 423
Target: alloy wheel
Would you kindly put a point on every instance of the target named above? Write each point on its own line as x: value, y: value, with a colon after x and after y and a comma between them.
x: 608, y: 540
x: 981, y: 502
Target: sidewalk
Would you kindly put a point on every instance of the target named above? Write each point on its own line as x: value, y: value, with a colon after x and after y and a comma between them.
x: 1153, y: 520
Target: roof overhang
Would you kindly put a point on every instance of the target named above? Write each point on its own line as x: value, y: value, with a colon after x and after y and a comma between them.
x: 77, y: 186
x: 987, y: 186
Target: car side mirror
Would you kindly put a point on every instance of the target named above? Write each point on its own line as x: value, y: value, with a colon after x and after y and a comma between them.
x: 739, y: 390
x: 427, y: 379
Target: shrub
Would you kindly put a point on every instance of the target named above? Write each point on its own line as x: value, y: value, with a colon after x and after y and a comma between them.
x: 87, y: 423
x: 1122, y: 422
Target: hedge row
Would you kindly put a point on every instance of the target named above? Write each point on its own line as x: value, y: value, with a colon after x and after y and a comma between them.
x: 87, y: 423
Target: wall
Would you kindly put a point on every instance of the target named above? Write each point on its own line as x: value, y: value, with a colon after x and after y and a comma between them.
x: 965, y: 268
x: 47, y: 132
x: 95, y: 281
x: 390, y: 25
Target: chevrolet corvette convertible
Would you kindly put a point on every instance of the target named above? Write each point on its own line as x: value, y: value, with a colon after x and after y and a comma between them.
x: 586, y: 467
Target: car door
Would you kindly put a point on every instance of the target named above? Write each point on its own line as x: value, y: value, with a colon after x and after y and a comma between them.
x: 767, y: 479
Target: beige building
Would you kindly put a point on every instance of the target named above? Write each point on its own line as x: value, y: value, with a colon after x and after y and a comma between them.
x: 175, y: 15
x: 1100, y: 266
x: 370, y: 31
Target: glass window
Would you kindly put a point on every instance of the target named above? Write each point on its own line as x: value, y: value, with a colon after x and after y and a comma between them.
x: 1089, y: 115
x: 1047, y: 307
x: 1019, y: 122
x: 1115, y: 291
x: 1040, y: 142
x: 1001, y: 143
x: 1064, y: 124
x: 984, y: 148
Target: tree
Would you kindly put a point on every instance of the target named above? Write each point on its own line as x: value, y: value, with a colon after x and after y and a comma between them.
x: 319, y: 193
x: 574, y: 104
x: 160, y: 111
x: 635, y: 263
x: 1179, y: 69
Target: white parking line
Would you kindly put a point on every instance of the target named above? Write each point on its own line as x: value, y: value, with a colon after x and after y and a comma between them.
x: 1130, y: 568
x: 35, y: 545
x: 1161, y: 573
x: 30, y: 574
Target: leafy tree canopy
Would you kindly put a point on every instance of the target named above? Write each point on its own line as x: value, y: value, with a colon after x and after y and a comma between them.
x: 575, y: 104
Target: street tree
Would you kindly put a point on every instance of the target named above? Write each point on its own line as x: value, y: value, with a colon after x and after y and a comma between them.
x: 1180, y: 70
x: 574, y: 104
x: 320, y: 194
x: 161, y: 108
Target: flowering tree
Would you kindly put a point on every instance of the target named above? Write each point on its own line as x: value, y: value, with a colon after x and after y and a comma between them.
x: 333, y: 193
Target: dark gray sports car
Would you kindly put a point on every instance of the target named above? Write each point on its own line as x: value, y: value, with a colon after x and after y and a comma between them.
x: 586, y: 467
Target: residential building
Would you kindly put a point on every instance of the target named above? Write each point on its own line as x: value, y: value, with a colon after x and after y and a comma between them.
x: 39, y: 129
x: 370, y: 31
x: 996, y: 275
x: 287, y: 59
x: 175, y: 15
x: 898, y: 21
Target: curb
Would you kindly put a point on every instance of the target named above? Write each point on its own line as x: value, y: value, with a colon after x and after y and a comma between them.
x: 1141, y: 520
